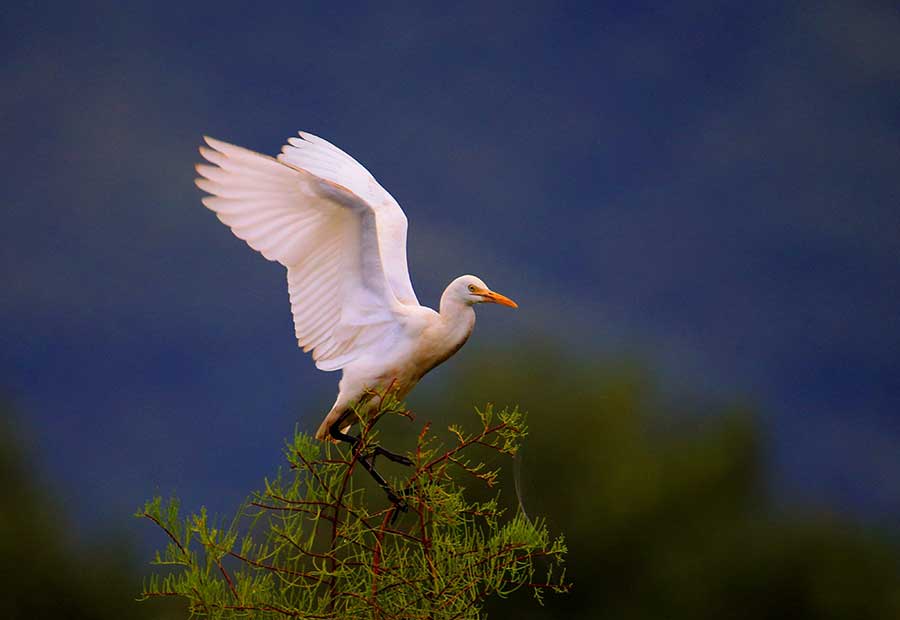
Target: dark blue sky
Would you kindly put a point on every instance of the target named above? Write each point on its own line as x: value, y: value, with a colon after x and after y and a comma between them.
x: 714, y: 185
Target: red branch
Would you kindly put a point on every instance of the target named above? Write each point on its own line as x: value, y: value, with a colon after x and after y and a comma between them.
x: 274, y: 569
x: 312, y: 513
x: 477, y: 439
x: 291, y: 613
x: 228, y: 579
x: 376, y: 554
x: 168, y: 532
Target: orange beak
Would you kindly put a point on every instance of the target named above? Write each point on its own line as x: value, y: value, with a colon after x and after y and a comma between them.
x: 497, y: 298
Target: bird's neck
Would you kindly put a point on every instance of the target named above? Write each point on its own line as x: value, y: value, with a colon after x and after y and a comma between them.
x: 457, y: 319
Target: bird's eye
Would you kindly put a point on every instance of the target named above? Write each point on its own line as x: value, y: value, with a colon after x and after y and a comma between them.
x: 472, y: 288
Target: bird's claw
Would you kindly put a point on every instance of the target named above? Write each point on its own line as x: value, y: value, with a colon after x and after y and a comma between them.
x: 399, y: 458
x: 398, y: 502
x: 400, y: 505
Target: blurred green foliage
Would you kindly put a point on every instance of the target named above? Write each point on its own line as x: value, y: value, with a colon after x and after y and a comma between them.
x: 663, y: 499
x: 47, y: 573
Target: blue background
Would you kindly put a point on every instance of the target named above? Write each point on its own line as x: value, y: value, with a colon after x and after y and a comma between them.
x: 711, y: 186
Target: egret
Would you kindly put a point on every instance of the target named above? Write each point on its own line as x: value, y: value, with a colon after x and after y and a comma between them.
x: 342, y: 238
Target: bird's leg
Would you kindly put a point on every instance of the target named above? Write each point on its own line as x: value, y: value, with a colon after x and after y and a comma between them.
x: 336, y: 433
x: 392, y: 456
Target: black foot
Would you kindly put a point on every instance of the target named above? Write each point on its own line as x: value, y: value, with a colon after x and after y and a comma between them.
x: 368, y: 462
x: 391, y: 456
x: 398, y: 502
x: 400, y: 506
x: 336, y: 434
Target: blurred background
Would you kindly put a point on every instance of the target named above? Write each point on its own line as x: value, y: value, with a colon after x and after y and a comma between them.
x: 696, y: 207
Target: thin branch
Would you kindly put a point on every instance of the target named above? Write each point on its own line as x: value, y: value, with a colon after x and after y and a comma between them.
x: 312, y: 513
x: 168, y: 533
x: 274, y: 569
x: 228, y: 579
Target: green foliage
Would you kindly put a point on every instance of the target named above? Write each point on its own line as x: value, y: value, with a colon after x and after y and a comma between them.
x: 666, y: 500
x: 315, y: 543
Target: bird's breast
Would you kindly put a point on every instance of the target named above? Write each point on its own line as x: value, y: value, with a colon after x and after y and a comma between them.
x: 403, y: 363
x: 441, y: 342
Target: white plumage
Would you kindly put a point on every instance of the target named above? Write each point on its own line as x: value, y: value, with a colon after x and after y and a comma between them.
x: 342, y: 238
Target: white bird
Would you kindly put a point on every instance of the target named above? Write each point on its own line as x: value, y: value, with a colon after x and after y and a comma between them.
x: 342, y: 238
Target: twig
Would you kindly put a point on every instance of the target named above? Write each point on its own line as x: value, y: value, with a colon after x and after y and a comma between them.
x: 168, y: 532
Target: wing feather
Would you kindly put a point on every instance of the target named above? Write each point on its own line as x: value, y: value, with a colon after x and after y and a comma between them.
x: 321, y: 158
x: 319, y: 221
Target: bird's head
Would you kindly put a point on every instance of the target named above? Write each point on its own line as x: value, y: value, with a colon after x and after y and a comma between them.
x: 472, y: 290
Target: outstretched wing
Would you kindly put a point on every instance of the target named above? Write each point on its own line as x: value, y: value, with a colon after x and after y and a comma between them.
x: 327, y: 236
x: 323, y: 159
